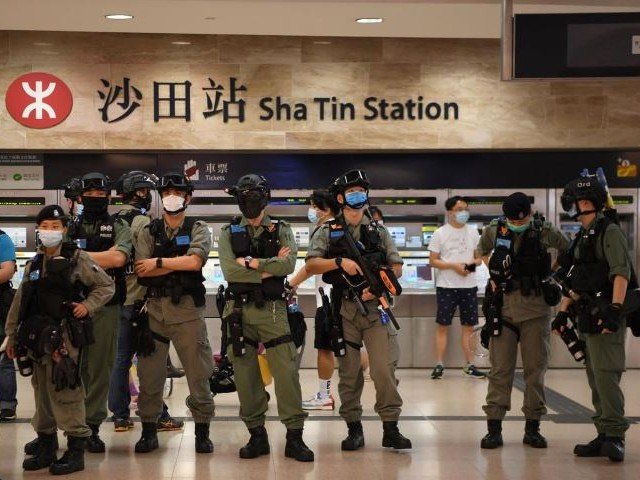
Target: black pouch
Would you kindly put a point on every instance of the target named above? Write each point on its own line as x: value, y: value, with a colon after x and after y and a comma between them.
x: 551, y: 293
x: 234, y: 320
x: 81, y: 331
x: 298, y: 327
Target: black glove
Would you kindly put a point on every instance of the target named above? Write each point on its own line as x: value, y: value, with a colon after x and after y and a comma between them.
x: 485, y: 336
x: 500, y: 266
x: 560, y: 321
x: 611, y: 320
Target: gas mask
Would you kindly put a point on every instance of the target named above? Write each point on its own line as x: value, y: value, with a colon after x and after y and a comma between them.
x: 252, y: 202
x: 94, y: 207
x: 143, y: 203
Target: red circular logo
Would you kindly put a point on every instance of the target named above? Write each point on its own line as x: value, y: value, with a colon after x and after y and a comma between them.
x: 39, y: 100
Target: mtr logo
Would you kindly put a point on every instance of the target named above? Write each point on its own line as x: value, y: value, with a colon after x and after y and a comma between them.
x: 39, y: 100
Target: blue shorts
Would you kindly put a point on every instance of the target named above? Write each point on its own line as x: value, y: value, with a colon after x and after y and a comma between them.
x: 448, y: 299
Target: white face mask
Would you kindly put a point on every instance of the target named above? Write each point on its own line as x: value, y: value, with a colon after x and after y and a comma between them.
x: 173, y: 203
x: 50, y: 238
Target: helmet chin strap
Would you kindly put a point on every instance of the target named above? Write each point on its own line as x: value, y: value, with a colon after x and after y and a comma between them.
x: 579, y: 213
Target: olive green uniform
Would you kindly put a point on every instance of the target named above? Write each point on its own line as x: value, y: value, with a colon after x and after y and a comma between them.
x: 380, y: 340
x: 263, y: 325
x: 64, y: 409
x: 135, y: 291
x: 606, y: 352
x: 184, y: 325
x: 98, y: 359
x: 531, y: 317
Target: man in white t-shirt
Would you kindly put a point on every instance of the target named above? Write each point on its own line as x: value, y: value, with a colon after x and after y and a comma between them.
x: 454, y: 253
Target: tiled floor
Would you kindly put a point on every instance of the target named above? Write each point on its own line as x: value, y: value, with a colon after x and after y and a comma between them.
x: 443, y: 419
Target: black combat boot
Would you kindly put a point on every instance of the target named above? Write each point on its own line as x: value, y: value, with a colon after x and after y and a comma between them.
x: 591, y: 449
x: 355, y: 437
x: 203, y: 444
x: 493, y: 439
x: 532, y: 434
x: 72, y: 460
x: 45, y: 455
x: 149, y: 439
x: 94, y: 442
x: 392, y: 438
x: 296, y: 448
x: 613, y: 447
x: 258, y: 443
x: 32, y: 447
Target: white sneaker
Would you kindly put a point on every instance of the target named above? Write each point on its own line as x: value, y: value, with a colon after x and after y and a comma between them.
x: 318, y: 403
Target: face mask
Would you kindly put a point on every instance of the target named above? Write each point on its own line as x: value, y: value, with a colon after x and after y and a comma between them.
x: 252, y: 203
x: 356, y: 200
x: 50, y: 238
x: 173, y: 204
x: 380, y: 222
x: 143, y: 203
x: 312, y: 215
x: 462, y: 216
x: 517, y: 228
x: 95, y: 206
x: 78, y: 209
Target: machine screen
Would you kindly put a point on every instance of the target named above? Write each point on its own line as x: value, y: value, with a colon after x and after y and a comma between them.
x: 399, y: 235
x: 18, y: 235
x: 417, y: 274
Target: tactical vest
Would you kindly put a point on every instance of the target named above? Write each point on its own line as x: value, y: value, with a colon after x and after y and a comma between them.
x: 267, y: 245
x: 591, y: 274
x: 128, y: 216
x: 45, y: 295
x: 531, y: 263
x: 370, y: 243
x: 101, y: 242
x: 177, y: 283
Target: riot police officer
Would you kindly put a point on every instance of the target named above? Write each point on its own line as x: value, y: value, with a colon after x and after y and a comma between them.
x: 47, y: 324
x: 170, y: 254
x: 519, y: 264
x: 329, y: 255
x: 107, y: 240
x: 257, y: 252
x: 135, y: 187
x: 72, y: 192
x: 601, y: 275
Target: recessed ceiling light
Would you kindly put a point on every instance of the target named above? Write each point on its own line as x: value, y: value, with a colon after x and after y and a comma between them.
x: 209, y: 18
x: 180, y: 43
x: 369, y: 20
x: 119, y: 16
x: 322, y: 42
x: 42, y: 44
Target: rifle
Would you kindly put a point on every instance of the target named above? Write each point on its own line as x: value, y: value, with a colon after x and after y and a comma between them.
x: 380, y: 279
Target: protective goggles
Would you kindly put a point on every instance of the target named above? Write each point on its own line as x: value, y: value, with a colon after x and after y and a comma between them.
x: 95, y: 183
x: 177, y: 181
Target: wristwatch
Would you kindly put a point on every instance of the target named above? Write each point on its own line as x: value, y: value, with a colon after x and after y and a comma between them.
x: 159, y: 262
x: 247, y: 261
x: 339, y: 262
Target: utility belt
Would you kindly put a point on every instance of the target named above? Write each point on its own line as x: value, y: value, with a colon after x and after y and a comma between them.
x: 252, y: 292
x: 234, y: 320
x: 588, y: 310
x: 42, y: 335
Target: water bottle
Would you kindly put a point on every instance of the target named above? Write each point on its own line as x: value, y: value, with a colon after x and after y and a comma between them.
x: 293, y: 306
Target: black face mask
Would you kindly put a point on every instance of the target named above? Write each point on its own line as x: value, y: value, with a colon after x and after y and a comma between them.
x: 252, y: 203
x: 143, y: 203
x: 94, y: 207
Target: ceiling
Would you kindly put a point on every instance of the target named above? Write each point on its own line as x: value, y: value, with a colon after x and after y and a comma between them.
x: 402, y: 18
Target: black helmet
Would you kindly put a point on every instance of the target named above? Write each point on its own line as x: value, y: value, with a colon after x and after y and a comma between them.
x: 73, y: 188
x: 95, y: 181
x: 349, y: 179
x: 128, y: 183
x: 583, y: 188
x: 175, y: 180
x: 252, y: 181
